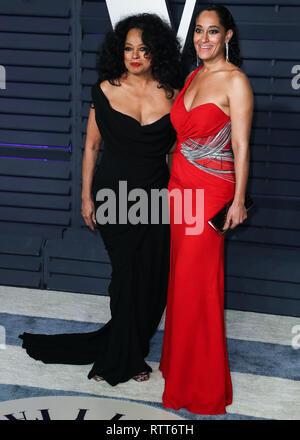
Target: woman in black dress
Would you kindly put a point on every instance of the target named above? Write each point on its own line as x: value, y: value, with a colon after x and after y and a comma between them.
x: 139, y: 77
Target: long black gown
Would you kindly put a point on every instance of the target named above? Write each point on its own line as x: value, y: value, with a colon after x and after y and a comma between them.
x: 139, y: 253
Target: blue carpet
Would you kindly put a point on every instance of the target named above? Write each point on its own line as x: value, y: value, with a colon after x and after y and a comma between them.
x: 261, y: 358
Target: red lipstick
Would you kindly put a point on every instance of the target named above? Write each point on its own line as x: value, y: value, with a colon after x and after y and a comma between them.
x: 135, y: 64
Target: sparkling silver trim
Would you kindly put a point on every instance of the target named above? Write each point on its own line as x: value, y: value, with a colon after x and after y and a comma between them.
x: 211, y: 148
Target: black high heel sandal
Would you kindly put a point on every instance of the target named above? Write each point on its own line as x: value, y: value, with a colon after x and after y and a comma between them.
x: 142, y: 377
x: 98, y: 378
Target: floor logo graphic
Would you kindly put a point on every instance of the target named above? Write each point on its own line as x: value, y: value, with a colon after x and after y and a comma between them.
x: 81, y: 408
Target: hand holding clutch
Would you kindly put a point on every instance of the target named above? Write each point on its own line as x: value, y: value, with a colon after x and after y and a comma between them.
x: 218, y: 221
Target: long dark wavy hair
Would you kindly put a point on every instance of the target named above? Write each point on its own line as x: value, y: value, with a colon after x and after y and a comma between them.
x: 163, y: 46
x: 227, y: 21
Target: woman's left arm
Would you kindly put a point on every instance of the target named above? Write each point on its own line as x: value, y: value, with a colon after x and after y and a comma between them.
x: 241, y: 110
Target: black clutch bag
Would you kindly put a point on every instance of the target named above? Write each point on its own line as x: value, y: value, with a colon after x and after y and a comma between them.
x: 218, y: 221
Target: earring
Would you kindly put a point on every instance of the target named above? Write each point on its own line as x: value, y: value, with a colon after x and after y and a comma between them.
x: 198, y: 60
x: 227, y: 52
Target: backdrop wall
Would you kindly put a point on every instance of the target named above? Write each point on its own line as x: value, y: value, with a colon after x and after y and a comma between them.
x: 48, y: 50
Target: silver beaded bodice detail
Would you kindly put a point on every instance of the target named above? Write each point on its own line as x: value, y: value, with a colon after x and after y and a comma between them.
x: 212, y: 149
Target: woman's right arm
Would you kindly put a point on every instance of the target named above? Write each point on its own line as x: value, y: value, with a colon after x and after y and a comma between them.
x: 91, y: 151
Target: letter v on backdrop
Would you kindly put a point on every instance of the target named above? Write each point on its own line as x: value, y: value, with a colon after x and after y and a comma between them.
x: 118, y: 10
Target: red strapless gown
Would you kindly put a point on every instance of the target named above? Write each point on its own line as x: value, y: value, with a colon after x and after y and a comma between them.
x: 194, y: 360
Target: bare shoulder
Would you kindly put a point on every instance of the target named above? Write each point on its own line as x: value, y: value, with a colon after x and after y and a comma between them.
x: 238, y: 79
x: 105, y: 86
x: 111, y: 90
x: 239, y: 91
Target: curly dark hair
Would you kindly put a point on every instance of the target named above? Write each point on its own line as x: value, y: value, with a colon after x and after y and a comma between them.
x: 227, y: 21
x: 163, y: 46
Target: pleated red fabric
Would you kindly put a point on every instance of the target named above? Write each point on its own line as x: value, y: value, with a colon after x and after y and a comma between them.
x: 194, y: 360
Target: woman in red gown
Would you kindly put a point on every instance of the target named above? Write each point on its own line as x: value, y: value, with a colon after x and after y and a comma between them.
x: 212, y: 116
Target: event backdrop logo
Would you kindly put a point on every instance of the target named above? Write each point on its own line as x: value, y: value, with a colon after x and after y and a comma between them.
x: 118, y: 10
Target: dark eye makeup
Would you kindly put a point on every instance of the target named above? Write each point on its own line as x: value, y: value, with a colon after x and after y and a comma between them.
x: 142, y: 49
x: 211, y: 31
